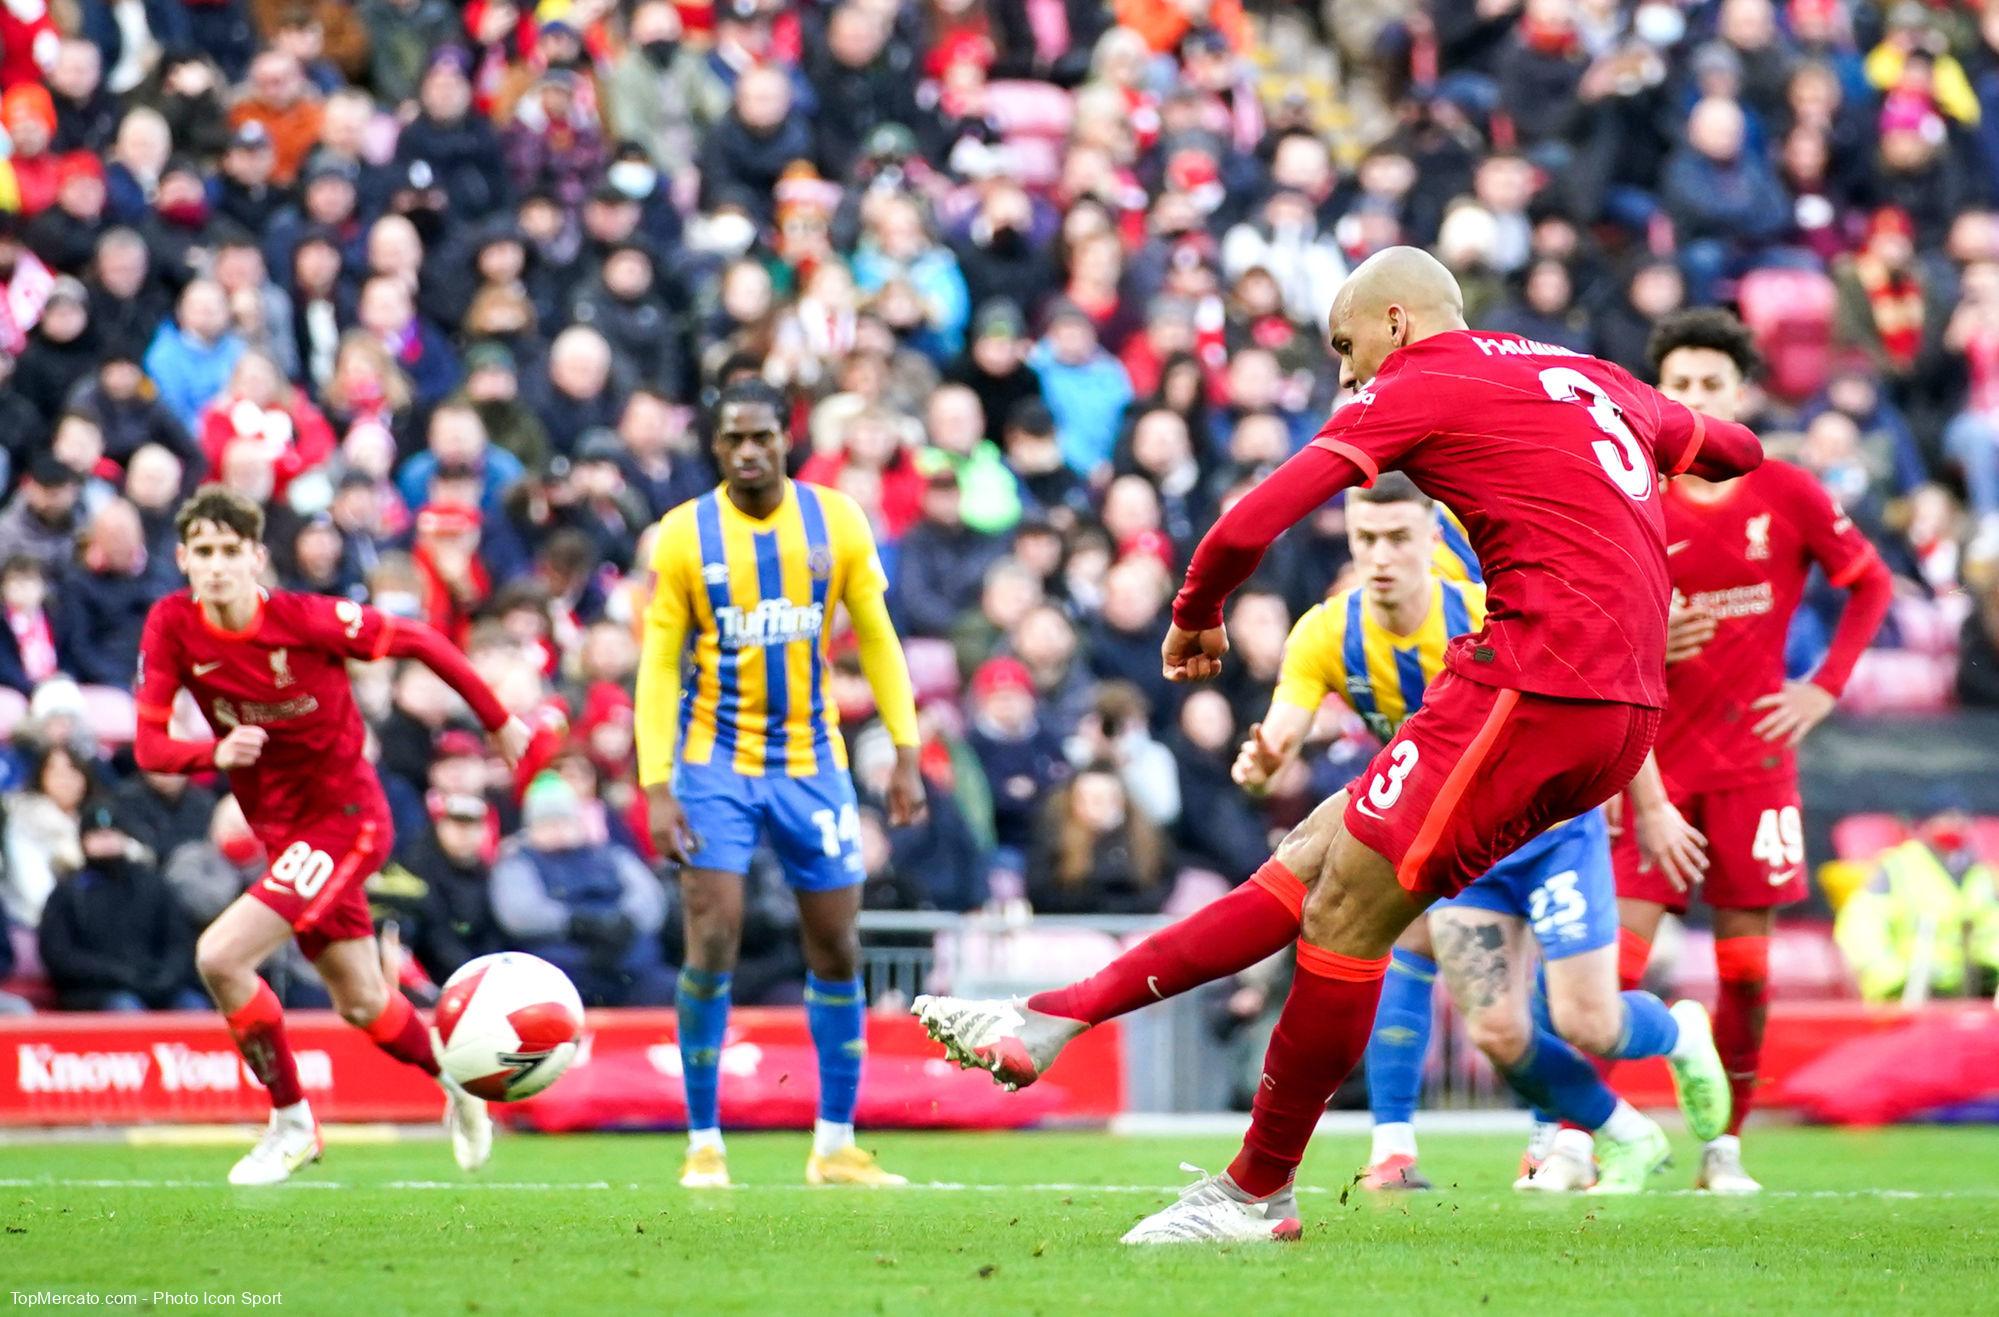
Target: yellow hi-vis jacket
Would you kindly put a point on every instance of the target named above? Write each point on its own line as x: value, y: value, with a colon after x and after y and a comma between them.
x: 1880, y: 927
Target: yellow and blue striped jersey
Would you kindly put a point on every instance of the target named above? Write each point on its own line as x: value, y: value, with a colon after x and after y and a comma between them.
x: 1338, y: 647
x: 1453, y: 558
x: 755, y: 598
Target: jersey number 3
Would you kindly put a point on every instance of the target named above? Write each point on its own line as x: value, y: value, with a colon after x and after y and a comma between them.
x: 1622, y: 456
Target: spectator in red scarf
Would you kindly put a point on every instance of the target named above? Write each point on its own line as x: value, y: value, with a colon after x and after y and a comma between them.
x: 455, y: 581
x: 29, y: 652
x: 872, y: 464
x: 261, y: 408
x: 1886, y: 310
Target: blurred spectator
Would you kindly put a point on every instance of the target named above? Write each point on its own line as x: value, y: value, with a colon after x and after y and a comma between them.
x: 112, y: 937
x: 192, y: 356
x: 106, y: 595
x: 995, y: 365
x: 661, y: 462
x: 1086, y: 388
x: 457, y: 144
x: 1931, y: 912
x: 1022, y: 759
x: 592, y: 909
x: 126, y: 408
x: 1094, y: 854
x: 941, y: 562
x: 1117, y: 731
x: 989, y: 493
x: 61, y: 350
x: 1225, y: 833
x: 437, y: 890
x: 939, y: 861
x: 1888, y: 309
x: 32, y: 646
x: 652, y: 93
x: 1723, y: 198
x: 41, y: 520
x: 576, y: 393
x: 163, y: 811
x: 746, y: 153
x: 260, y: 409
x: 917, y: 286
x: 41, y: 838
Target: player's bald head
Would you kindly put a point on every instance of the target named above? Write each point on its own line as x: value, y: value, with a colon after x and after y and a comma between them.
x: 1398, y: 296
x: 1402, y: 276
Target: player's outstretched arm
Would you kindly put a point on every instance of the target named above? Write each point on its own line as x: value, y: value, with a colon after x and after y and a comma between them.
x: 1233, y: 547
x: 420, y: 641
x: 1693, y: 443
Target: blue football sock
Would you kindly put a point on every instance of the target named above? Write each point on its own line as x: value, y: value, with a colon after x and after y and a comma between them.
x: 703, y: 1007
x: 1555, y: 1077
x: 1649, y: 1028
x: 833, y: 1014
x: 1401, y: 1038
x: 1544, y: 1021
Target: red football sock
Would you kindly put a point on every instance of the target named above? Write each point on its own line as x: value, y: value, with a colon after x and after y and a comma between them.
x: 1743, y: 966
x: 1318, y: 1040
x: 259, y: 1028
x: 400, y: 1032
x: 1226, y: 936
x: 1633, y: 954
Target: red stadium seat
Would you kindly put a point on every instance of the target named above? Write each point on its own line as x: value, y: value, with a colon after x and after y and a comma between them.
x: 1791, y: 313
x: 933, y: 669
x: 13, y: 708
x: 1864, y: 836
x: 110, y: 713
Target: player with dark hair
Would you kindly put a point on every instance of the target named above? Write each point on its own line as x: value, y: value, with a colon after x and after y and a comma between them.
x: 745, y: 581
x: 268, y: 669
x: 1551, y: 459
x: 1739, y: 552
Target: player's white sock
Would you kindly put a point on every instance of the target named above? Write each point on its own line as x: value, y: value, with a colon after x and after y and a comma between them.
x: 298, y: 1115
x: 1728, y: 1143
x: 1392, y: 1138
x: 1576, y: 1142
x: 1625, y: 1123
x: 709, y: 1138
x: 829, y: 1136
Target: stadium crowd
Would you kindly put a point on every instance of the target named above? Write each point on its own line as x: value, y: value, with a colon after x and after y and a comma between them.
x: 445, y: 287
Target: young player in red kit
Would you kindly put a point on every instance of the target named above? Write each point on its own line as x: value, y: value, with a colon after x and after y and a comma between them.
x: 269, y: 672
x: 1549, y: 458
x: 1740, y: 552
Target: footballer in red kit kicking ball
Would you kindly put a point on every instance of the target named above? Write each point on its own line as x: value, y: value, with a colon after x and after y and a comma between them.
x: 1552, y: 460
x: 1739, y: 552
x: 268, y: 669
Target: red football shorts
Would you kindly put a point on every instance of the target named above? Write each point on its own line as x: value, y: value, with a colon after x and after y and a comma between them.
x: 1755, y: 851
x: 318, y: 880
x: 1479, y: 770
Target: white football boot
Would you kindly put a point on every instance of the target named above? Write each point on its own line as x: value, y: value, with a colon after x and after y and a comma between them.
x: 1214, y: 1210
x: 469, y: 1124
x: 287, y: 1144
x: 1008, y: 1039
x: 1721, y: 1168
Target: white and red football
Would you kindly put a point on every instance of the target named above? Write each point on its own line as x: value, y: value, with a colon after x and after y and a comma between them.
x: 507, y: 1025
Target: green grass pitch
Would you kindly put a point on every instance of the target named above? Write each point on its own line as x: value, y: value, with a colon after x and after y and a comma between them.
x: 1864, y: 1222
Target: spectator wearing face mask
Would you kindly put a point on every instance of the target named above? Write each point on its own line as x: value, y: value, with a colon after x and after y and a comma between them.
x: 112, y: 937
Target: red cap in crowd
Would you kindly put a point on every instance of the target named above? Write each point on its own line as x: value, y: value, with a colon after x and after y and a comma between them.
x: 1002, y: 674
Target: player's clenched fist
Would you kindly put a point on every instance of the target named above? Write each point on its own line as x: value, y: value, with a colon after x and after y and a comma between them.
x: 241, y: 748
x: 1193, y: 655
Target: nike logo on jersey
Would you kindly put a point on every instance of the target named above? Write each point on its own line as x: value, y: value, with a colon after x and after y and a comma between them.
x: 1360, y: 803
x: 1152, y: 986
x: 203, y: 669
x: 1672, y: 549
x: 1779, y: 879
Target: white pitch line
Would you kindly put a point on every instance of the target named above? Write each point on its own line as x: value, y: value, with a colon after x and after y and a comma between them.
x: 933, y: 1186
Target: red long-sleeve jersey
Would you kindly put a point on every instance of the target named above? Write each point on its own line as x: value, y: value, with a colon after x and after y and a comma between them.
x: 1550, y: 459
x: 285, y: 672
